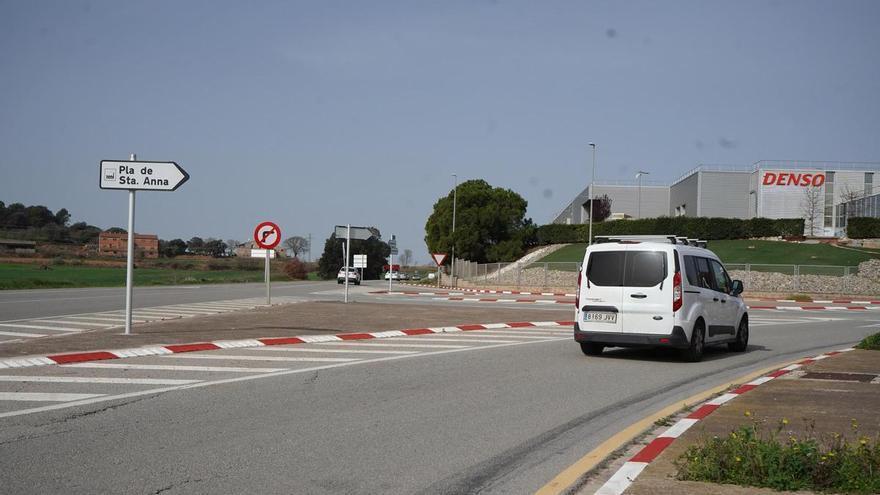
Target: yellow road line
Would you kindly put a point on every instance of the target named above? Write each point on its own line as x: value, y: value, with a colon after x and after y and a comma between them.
x: 588, y: 462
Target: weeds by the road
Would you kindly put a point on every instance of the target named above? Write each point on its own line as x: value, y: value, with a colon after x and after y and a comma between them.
x: 870, y: 343
x: 778, y: 459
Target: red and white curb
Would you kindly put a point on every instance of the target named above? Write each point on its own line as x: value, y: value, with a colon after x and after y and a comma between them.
x: 817, y: 301
x: 624, y: 477
x: 817, y: 308
x: 490, y: 291
x: 80, y: 357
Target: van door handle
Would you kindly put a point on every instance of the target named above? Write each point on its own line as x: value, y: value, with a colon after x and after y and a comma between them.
x: 724, y: 300
x: 715, y: 299
x: 638, y: 296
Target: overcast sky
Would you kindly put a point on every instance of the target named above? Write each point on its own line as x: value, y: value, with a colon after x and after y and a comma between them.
x: 319, y: 113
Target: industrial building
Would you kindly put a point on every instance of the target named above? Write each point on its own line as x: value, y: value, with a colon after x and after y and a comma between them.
x: 767, y: 188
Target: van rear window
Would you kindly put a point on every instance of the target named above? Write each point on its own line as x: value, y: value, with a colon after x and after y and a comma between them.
x: 626, y: 268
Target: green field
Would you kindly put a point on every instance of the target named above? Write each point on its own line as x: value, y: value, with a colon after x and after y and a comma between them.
x: 755, y: 252
x: 13, y: 276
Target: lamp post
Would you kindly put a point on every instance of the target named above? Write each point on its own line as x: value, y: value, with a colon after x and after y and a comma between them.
x: 639, y: 176
x: 454, y: 201
x: 590, y: 195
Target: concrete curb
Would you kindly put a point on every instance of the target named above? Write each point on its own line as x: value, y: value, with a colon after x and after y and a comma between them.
x: 80, y: 357
x: 624, y: 477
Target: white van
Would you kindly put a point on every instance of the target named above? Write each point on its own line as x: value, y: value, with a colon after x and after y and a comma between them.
x: 657, y: 291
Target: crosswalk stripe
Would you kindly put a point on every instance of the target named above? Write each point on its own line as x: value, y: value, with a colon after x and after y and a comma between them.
x: 22, y: 334
x: 222, y: 305
x: 99, y: 318
x: 229, y: 357
x: 190, y: 309
x: 83, y: 323
x: 165, y: 367
x: 44, y: 397
x: 95, y: 379
x: 347, y: 351
x: 401, y: 344
x: 39, y: 327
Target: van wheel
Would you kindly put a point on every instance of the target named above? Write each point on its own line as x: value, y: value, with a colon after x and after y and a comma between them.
x: 694, y: 352
x: 592, y: 348
x: 742, y: 337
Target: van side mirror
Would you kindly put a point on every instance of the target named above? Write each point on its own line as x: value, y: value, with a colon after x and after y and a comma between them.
x: 736, y: 288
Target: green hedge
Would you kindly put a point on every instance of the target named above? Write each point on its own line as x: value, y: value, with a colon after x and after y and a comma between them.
x: 694, y: 227
x: 863, y: 228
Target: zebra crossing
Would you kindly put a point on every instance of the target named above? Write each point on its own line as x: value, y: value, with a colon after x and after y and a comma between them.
x: 28, y: 390
x: 18, y: 330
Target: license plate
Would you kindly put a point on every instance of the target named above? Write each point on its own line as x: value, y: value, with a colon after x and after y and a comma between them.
x: 600, y: 317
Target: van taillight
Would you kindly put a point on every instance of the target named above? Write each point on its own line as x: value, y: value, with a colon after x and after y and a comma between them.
x: 577, y: 295
x: 676, y: 292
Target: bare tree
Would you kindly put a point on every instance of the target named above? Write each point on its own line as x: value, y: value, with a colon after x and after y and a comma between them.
x: 406, y: 257
x: 296, y: 245
x: 848, y: 194
x: 231, y: 244
x: 811, y: 208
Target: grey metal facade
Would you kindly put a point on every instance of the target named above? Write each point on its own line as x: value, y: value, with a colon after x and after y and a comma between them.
x: 624, y: 199
x: 724, y: 194
x: 684, y: 197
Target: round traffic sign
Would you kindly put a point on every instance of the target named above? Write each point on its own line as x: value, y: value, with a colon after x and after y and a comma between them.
x: 267, y: 235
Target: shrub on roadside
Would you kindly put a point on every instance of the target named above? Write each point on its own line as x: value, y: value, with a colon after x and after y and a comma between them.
x: 863, y: 228
x: 295, y: 269
x: 783, y: 461
x: 870, y: 343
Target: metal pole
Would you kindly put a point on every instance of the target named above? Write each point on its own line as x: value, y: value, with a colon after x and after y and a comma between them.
x: 347, y: 246
x: 310, y: 247
x: 129, y: 264
x: 639, y: 214
x: 454, y: 201
x: 268, y: 285
x: 390, y: 270
x: 590, y: 195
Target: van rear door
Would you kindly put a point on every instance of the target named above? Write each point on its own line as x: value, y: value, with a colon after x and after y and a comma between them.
x: 601, y: 292
x: 646, y: 302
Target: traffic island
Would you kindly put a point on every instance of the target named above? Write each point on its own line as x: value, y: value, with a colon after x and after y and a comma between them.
x: 832, y: 401
x: 288, y: 320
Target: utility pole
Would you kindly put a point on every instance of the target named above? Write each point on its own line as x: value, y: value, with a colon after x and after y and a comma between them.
x: 454, y: 200
x: 590, y: 195
x: 639, y: 176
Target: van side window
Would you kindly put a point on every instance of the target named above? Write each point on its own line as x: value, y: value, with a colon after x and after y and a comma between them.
x: 704, y: 273
x: 722, y: 281
x: 690, y: 268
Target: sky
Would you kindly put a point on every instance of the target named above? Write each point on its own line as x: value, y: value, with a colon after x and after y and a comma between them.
x: 313, y: 114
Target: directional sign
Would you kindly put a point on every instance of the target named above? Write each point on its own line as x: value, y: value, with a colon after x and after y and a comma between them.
x: 267, y: 235
x: 261, y: 253
x: 360, y: 261
x: 363, y: 233
x: 141, y: 176
x: 393, y: 245
x: 439, y: 258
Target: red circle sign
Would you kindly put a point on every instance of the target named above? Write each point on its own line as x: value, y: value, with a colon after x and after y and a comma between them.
x: 267, y: 235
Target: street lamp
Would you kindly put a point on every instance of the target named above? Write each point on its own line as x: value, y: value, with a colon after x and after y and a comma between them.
x: 590, y: 195
x: 454, y: 200
x: 639, y: 176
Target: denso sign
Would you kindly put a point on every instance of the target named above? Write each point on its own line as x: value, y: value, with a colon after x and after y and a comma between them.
x: 793, y: 179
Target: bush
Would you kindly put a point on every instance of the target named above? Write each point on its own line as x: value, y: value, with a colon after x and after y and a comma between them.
x: 870, y: 343
x: 750, y: 457
x: 296, y: 269
x: 863, y: 228
x: 694, y: 227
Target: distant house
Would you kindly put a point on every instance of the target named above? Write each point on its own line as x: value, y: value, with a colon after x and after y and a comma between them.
x: 18, y: 247
x: 116, y: 244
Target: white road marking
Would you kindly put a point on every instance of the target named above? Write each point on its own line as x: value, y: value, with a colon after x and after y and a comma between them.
x: 100, y: 318
x: 83, y: 323
x: 95, y: 379
x: 45, y: 397
x: 475, y: 340
x: 386, y: 344
x: 22, y: 334
x: 165, y: 367
x: 352, y: 351
x: 229, y: 357
x: 40, y: 327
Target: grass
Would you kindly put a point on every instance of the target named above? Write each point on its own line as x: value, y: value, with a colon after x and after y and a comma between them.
x: 750, y: 456
x: 14, y: 276
x: 755, y: 252
x: 870, y: 343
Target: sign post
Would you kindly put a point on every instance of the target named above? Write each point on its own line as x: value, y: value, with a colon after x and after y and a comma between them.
x: 267, y: 235
x: 393, y: 245
x: 135, y: 175
x: 360, y: 261
x: 438, y: 258
x: 350, y: 233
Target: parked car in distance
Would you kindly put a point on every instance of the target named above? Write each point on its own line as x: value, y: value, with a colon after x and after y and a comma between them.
x: 404, y: 276
x: 638, y: 291
x: 353, y: 276
x: 392, y: 276
x: 415, y: 276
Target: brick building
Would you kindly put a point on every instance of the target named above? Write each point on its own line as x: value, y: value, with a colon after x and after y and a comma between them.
x: 113, y: 244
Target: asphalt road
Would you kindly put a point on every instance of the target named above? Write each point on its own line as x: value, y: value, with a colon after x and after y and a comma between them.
x: 502, y: 413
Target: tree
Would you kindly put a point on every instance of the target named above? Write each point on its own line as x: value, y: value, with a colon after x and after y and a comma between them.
x: 231, y: 244
x: 490, y: 224
x: 195, y: 245
x: 214, y: 247
x: 811, y: 208
x: 331, y: 261
x: 296, y: 245
x: 62, y: 217
x: 406, y: 257
x: 601, y: 207
x: 172, y: 248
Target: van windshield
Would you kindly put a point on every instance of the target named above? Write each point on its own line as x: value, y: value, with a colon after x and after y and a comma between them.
x: 626, y: 268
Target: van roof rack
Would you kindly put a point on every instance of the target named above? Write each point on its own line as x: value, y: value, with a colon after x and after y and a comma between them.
x: 672, y: 239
